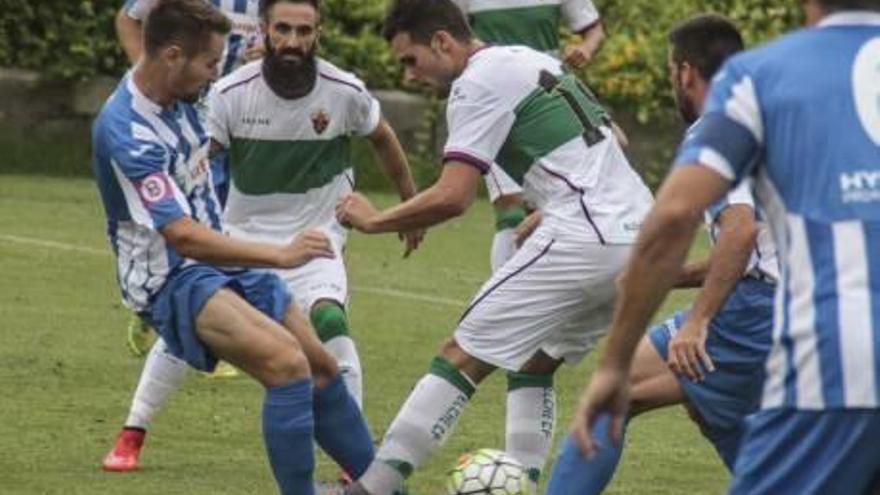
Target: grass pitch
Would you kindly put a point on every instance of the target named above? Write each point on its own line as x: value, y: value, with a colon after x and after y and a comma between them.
x: 67, y: 378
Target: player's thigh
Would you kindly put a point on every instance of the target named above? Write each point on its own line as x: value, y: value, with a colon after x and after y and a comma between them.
x: 832, y: 452
x: 239, y: 333
x: 545, y: 298
x: 652, y: 384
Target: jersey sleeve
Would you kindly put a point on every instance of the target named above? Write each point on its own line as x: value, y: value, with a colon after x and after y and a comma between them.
x: 217, y: 117
x: 138, y: 9
x: 479, y: 123
x: 729, y: 136
x: 365, y: 113
x: 579, y: 14
x: 151, y: 194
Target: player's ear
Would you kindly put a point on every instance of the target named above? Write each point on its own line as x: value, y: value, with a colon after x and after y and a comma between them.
x: 440, y: 41
x: 173, y: 54
x: 688, y: 75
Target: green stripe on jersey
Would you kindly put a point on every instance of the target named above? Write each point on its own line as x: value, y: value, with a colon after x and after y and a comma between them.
x: 268, y: 167
x: 546, y: 120
x: 536, y: 27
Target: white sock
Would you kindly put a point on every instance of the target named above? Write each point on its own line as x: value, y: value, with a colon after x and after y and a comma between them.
x: 349, y: 364
x: 503, y: 248
x: 422, y: 425
x: 162, y: 374
x: 531, y: 420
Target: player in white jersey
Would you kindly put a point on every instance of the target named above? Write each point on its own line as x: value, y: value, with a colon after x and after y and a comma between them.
x: 533, y: 23
x: 800, y: 115
x: 719, y: 344
x: 179, y: 272
x: 287, y: 122
x: 516, y: 107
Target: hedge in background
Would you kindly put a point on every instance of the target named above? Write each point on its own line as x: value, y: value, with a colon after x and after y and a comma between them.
x: 75, y: 39
x: 630, y: 71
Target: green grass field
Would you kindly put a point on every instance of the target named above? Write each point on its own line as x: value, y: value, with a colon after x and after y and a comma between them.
x: 67, y: 377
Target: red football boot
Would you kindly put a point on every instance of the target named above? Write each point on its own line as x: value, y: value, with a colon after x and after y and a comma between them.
x: 124, y: 456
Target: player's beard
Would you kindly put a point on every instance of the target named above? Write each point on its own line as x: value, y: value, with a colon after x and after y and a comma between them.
x: 288, y: 78
x: 686, y: 107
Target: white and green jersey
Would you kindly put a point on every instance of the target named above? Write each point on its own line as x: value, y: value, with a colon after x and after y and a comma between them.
x: 515, y: 106
x: 290, y: 160
x: 534, y: 23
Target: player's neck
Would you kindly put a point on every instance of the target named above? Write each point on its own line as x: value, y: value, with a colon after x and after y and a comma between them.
x: 148, y: 77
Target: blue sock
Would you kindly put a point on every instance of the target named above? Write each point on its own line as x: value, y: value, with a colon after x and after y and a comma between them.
x: 341, y: 430
x: 288, y: 428
x: 575, y: 474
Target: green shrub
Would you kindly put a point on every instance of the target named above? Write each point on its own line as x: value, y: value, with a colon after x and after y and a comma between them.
x: 630, y: 71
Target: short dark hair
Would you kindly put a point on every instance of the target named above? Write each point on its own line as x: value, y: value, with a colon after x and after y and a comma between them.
x: 422, y: 18
x: 188, y: 23
x: 832, y: 5
x: 265, y: 5
x: 705, y: 41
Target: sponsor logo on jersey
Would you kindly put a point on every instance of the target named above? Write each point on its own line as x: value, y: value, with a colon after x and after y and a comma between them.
x: 255, y: 121
x: 860, y: 186
x: 154, y: 188
x: 320, y: 121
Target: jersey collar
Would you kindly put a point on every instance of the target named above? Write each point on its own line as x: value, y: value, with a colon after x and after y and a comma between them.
x: 139, y: 96
x: 851, y: 18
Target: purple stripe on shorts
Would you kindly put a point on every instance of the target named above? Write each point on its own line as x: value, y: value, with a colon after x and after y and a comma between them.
x: 505, y: 279
x: 580, y: 191
x: 469, y: 159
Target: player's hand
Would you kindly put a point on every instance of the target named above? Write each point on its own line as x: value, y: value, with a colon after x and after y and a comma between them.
x: 307, y: 246
x: 575, y: 56
x: 687, y: 350
x: 412, y: 239
x: 524, y: 230
x: 356, y: 211
x: 608, y: 392
x: 254, y: 51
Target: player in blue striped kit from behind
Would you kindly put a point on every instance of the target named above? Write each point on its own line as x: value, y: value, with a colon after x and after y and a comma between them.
x: 151, y: 166
x: 802, y: 116
x: 710, y: 356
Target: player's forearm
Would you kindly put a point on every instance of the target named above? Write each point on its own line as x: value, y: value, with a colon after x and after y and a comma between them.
x: 693, y: 275
x: 726, y: 267
x: 198, y: 242
x: 652, y: 270
x: 426, y: 209
x: 394, y: 161
x: 593, y: 38
x: 129, y: 32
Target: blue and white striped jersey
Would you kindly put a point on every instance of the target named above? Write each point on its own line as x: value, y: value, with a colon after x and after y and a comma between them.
x: 802, y: 115
x: 151, y: 167
x: 245, y: 18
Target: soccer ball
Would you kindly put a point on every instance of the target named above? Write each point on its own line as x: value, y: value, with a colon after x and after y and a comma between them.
x: 487, y: 472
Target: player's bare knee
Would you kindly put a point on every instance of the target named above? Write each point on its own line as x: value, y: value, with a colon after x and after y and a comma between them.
x: 541, y: 363
x: 471, y: 366
x: 287, y: 364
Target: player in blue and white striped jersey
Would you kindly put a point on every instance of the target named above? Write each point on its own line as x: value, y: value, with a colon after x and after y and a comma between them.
x: 243, y: 43
x: 717, y: 346
x: 150, y: 161
x: 807, y: 105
